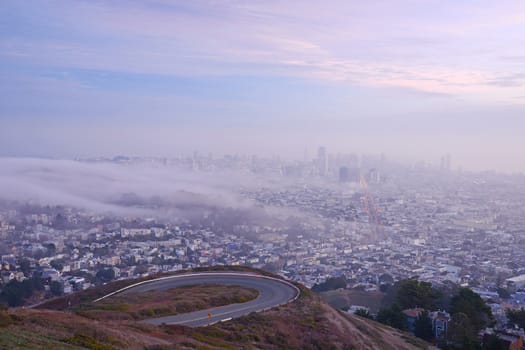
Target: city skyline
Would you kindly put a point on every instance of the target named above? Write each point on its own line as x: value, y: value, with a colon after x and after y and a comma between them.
x: 417, y: 79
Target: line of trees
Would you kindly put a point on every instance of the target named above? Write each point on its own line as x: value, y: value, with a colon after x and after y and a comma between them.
x: 469, y: 312
x: 15, y: 293
x: 331, y: 283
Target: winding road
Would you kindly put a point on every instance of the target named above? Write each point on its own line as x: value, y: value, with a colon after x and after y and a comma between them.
x: 272, y: 292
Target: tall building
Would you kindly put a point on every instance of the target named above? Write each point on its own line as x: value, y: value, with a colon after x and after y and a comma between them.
x: 354, y: 174
x: 445, y: 162
x: 349, y: 174
x: 322, y: 161
x: 344, y: 174
x: 374, y: 176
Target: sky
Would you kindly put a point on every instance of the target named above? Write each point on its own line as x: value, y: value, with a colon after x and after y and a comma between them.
x: 412, y: 79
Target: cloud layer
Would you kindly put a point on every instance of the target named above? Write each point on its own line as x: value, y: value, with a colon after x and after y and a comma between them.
x: 435, y: 46
x: 115, y: 188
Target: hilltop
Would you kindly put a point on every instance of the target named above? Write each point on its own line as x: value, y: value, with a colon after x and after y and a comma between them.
x: 307, y: 323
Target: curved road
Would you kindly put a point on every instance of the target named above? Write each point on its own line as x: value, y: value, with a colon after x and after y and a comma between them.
x: 272, y: 292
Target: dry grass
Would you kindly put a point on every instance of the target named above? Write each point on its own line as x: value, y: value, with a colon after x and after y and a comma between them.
x: 307, y: 323
x: 343, y: 298
x: 76, y: 299
x: 140, y: 306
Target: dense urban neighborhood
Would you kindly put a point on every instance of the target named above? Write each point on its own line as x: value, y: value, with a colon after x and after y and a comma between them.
x: 369, y: 222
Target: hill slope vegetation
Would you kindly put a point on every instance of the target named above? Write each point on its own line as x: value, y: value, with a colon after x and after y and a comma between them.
x: 307, y: 323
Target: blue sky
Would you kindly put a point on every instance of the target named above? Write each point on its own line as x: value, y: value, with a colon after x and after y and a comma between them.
x: 412, y: 78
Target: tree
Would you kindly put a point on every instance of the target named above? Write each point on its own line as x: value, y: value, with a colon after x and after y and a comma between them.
x: 105, y: 275
x: 25, y: 266
x: 386, y: 279
x: 493, y: 342
x: 516, y: 317
x: 385, y: 287
x: 448, y: 290
x: 36, y: 279
x: 140, y: 269
x: 57, y: 264
x: 14, y: 293
x: 56, y: 288
x: 157, y: 260
x: 423, y: 327
x: 89, y: 277
x: 38, y: 254
x: 503, y: 293
x: 363, y: 313
x: 410, y: 293
x: 393, y: 317
x: 470, y: 304
x: 330, y: 284
x: 101, y: 251
x: 462, y: 333
x: 51, y: 249
x: 413, y: 293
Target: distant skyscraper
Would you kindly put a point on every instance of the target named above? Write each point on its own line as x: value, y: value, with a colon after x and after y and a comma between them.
x: 322, y: 161
x: 445, y: 162
x: 354, y: 174
x: 374, y: 176
x: 344, y: 174
x: 382, y: 162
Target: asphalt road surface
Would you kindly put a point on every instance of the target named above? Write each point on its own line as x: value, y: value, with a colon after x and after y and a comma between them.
x: 272, y: 292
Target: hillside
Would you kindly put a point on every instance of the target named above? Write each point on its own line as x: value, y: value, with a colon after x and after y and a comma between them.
x: 308, y: 323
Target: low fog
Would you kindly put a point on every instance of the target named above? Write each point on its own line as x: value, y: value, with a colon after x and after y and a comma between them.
x: 116, y: 188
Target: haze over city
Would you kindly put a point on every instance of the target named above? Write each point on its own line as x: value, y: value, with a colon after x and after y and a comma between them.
x: 414, y: 79
x: 266, y: 174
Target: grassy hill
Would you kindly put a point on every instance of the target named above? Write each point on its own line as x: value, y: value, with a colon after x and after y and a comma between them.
x: 308, y: 323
